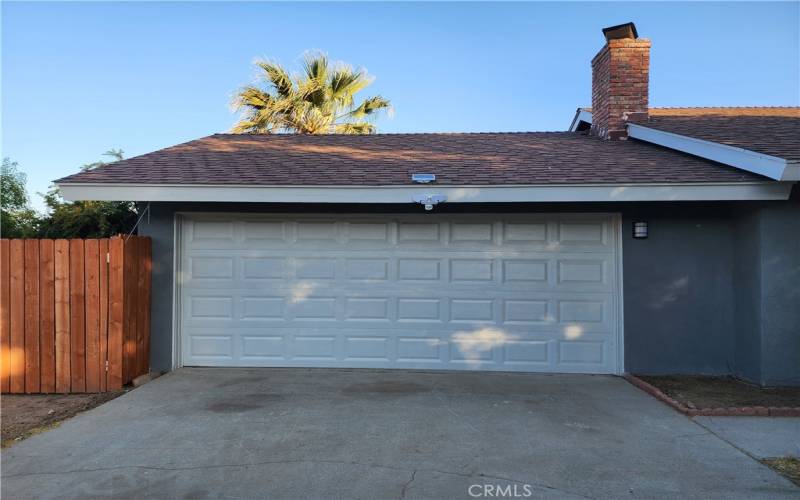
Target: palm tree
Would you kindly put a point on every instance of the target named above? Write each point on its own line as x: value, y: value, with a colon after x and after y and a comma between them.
x: 321, y: 100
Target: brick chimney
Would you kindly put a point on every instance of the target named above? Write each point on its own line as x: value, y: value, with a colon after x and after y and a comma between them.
x: 620, y: 77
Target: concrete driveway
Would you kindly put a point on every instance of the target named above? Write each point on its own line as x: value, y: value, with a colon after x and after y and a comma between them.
x: 291, y: 433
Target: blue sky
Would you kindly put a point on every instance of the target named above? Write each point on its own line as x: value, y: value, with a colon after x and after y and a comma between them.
x: 80, y: 78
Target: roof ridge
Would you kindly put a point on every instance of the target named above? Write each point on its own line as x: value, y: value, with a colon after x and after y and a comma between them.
x: 519, y: 132
x: 724, y: 107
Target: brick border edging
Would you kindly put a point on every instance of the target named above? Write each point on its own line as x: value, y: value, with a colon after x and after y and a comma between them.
x: 749, y: 411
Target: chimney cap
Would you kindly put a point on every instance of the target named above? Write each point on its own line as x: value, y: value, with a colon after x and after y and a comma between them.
x: 627, y: 30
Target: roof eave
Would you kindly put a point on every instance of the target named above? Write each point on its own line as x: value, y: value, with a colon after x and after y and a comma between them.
x: 399, y: 194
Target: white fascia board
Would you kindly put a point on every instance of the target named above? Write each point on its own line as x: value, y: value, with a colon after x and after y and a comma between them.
x: 580, y: 116
x: 405, y: 194
x: 759, y: 163
x: 792, y: 171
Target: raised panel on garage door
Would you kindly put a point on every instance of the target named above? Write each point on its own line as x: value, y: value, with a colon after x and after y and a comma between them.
x: 521, y: 292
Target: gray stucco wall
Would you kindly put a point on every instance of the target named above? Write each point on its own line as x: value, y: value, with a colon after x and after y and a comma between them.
x: 713, y: 290
x: 779, y: 263
x: 678, y: 291
x: 159, y: 226
x: 747, y: 296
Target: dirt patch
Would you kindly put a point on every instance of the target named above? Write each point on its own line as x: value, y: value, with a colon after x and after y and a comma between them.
x: 386, y: 387
x: 786, y: 466
x: 717, y: 392
x: 24, y: 415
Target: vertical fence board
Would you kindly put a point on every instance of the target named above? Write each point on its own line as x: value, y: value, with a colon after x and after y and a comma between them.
x: 92, y: 297
x: 47, y: 320
x: 115, y: 314
x: 77, y: 303
x: 129, y: 330
x: 145, y: 301
x: 62, y: 345
x: 17, y: 317
x: 32, y: 366
x: 140, y: 307
x: 104, y: 258
x: 5, y: 315
x: 126, y: 307
x: 134, y: 317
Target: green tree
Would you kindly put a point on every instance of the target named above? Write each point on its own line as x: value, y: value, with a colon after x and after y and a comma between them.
x: 87, y: 219
x: 17, y: 219
x: 320, y: 100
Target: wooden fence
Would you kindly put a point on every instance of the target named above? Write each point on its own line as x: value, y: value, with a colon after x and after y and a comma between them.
x: 74, y: 314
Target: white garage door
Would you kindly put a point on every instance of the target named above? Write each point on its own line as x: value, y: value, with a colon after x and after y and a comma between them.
x: 477, y: 292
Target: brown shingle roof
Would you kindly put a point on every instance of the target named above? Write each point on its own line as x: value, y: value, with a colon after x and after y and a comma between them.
x: 787, y: 111
x: 456, y: 159
x: 770, y: 130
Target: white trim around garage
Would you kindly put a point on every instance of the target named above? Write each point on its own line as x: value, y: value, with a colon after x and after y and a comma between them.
x: 745, y: 159
x: 177, y: 279
x: 619, y: 307
x: 769, y: 190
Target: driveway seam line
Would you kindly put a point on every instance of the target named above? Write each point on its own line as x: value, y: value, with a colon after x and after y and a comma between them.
x: 741, y: 450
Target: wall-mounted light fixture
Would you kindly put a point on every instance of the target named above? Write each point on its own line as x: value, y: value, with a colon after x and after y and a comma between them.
x: 640, y: 230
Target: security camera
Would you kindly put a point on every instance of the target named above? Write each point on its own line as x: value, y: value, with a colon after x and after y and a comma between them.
x: 429, y: 200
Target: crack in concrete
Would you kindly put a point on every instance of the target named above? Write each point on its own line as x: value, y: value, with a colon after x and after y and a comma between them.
x: 408, y: 483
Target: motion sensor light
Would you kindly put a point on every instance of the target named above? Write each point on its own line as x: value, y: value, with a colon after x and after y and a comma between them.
x: 429, y: 200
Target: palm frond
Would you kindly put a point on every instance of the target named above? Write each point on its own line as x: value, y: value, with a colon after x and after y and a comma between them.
x: 251, y: 97
x: 346, y: 83
x: 354, y: 128
x: 277, y: 77
x: 315, y: 65
x: 320, y: 100
x: 369, y: 107
x: 117, y: 154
